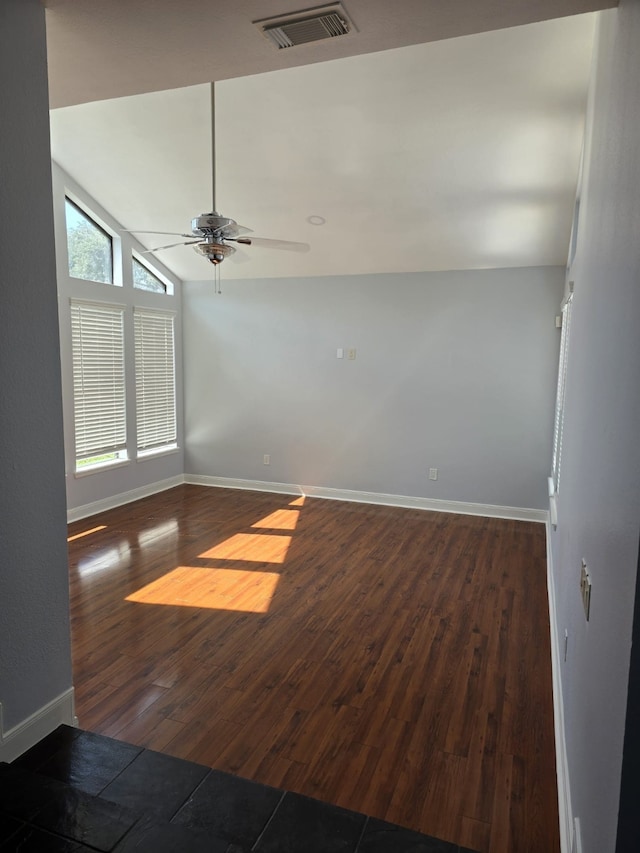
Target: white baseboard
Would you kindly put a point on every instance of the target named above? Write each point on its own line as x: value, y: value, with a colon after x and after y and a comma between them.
x: 565, y: 808
x: 22, y: 737
x: 408, y: 502
x: 248, y: 485
x: 123, y: 498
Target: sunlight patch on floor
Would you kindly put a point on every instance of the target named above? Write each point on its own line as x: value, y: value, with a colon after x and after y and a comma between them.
x: 213, y: 589
x: 86, y: 532
x: 281, y: 519
x: 253, y: 547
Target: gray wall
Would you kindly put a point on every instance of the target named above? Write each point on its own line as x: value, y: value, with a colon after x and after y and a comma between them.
x: 453, y: 370
x: 599, y: 499
x: 35, y: 662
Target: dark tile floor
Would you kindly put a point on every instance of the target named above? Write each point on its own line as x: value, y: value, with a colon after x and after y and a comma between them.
x: 76, y: 791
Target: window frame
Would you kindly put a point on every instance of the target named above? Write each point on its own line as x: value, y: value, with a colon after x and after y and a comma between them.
x: 166, y: 284
x: 111, y: 474
x: 99, y: 226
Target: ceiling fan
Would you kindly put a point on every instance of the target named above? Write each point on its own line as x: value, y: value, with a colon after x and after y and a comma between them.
x: 211, y: 233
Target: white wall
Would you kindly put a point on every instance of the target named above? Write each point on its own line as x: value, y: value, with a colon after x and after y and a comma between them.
x: 137, y: 476
x: 35, y: 658
x: 453, y: 370
x: 599, y: 499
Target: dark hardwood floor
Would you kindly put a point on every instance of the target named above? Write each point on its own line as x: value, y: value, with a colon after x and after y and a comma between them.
x: 391, y: 661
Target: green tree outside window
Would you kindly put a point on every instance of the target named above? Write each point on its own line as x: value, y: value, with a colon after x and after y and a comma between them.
x: 90, y: 248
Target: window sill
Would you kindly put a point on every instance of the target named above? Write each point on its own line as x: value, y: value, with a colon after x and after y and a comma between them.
x: 96, y: 469
x: 154, y: 454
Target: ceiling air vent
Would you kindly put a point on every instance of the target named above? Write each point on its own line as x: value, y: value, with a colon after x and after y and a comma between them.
x: 324, y: 22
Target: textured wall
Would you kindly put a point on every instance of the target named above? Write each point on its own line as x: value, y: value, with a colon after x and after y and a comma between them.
x: 599, y: 500
x: 35, y: 662
x: 453, y: 370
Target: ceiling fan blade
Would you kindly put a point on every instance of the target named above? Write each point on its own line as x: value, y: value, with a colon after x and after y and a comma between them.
x: 266, y: 243
x: 168, y: 233
x: 234, y: 230
x: 170, y: 246
x: 240, y: 257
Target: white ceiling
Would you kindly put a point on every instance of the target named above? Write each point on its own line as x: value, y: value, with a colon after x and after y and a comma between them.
x: 458, y: 154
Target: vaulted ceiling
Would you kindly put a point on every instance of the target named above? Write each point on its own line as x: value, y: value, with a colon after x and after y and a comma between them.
x: 436, y: 136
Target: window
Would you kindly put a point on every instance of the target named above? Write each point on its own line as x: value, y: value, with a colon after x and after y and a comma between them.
x: 89, y: 246
x: 144, y: 279
x: 97, y: 342
x: 155, y: 381
x: 558, y: 425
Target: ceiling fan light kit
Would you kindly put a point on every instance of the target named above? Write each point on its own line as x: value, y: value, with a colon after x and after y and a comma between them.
x: 215, y: 253
x: 215, y: 229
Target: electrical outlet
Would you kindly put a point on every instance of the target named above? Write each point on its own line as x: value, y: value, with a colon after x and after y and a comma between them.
x: 433, y: 473
x: 585, y: 589
x: 351, y: 354
x: 266, y: 459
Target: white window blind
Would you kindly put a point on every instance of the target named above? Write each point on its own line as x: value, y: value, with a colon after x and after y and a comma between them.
x: 97, y: 341
x: 155, y: 380
x: 558, y: 426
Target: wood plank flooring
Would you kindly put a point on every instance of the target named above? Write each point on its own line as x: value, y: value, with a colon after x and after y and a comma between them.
x: 391, y: 661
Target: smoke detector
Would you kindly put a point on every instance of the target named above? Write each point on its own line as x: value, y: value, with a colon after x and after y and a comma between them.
x: 321, y: 22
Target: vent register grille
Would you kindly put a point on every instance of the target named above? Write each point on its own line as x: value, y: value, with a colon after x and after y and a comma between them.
x: 303, y: 28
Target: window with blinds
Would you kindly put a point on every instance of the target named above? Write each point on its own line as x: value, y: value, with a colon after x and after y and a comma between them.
x: 558, y: 426
x: 97, y: 341
x: 155, y: 381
